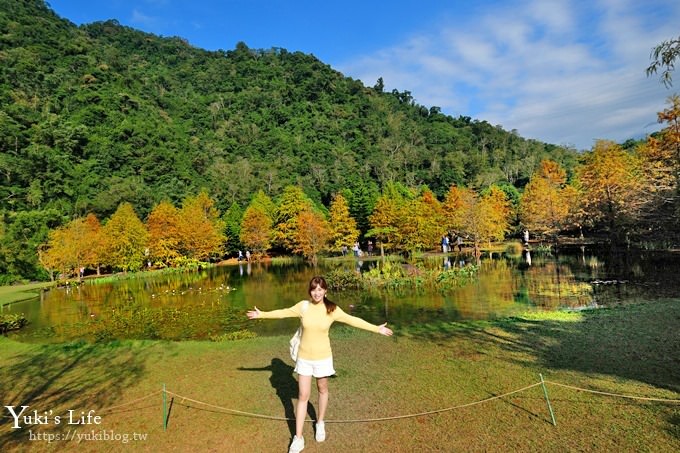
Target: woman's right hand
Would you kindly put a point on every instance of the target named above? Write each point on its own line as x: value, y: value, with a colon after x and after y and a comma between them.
x: 252, y: 314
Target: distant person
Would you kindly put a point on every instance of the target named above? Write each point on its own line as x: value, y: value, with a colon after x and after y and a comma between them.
x: 525, y: 237
x: 248, y: 255
x: 447, y: 263
x: 240, y: 256
x: 315, y: 357
x: 343, y: 249
x: 369, y: 247
x: 459, y: 242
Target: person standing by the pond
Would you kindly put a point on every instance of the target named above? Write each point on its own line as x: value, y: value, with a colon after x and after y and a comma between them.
x: 315, y: 357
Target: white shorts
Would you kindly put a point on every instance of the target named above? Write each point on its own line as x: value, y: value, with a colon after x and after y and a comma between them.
x: 317, y: 368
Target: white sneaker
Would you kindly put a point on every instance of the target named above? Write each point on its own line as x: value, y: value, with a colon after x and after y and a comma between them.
x: 320, y: 431
x: 297, y: 445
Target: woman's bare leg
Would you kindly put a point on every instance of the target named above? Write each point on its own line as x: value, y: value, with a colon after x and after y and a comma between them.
x: 304, y: 389
x: 322, y: 386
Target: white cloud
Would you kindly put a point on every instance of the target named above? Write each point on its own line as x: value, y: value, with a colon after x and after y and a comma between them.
x: 143, y: 20
x: 564, y: 72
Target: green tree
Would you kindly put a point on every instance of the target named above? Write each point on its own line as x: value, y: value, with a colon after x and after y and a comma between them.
x: 232, y: 219
x: 664, y: 56
x: 292, y: 202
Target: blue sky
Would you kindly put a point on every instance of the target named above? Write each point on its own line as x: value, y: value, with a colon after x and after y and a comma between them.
x: 561, y: 71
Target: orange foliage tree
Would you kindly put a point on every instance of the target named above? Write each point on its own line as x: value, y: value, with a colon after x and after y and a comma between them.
x: 422, y: 226
x: 312, y: 234
x: 480, y: 218
x: 457, y: 207
x: 612, y: 187
x: 201, y: 228
x: 165, y: 238
x: 93, y: 236
x: 661, y: 166
x: 256, y: 226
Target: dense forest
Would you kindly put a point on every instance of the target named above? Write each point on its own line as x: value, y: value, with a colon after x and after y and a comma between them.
x: 101, y: 115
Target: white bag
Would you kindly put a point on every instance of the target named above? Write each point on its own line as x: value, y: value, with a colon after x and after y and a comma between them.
x: 295, y: 341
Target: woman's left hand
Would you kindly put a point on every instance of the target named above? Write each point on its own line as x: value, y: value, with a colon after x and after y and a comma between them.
x: 384, y: 330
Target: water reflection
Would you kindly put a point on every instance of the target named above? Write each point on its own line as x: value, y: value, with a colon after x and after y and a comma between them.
x: 211, y: 301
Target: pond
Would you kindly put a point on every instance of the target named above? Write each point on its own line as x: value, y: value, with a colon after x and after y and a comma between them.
x: 211, y: 303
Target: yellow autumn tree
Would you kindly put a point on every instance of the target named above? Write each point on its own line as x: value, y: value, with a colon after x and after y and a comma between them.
x: 165, y: 237
x: 545, y: 205
x: 422, y: 226
x: 93, y: 236
x: 343, y: 227
x: 499, y: 215
x: 312, y: 234
x: 201, y: 228
x: 124, y: 239
x: 479, y: 218
x: 386, y: 220
x: 660, y: 157
x: 612, y: 187
x: 72, y: 246
x: 457, y: 207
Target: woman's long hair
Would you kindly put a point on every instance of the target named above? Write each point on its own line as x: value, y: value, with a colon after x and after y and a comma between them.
x: 319, y: 281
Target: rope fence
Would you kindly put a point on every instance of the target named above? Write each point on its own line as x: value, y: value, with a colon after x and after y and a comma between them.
x: 541, y: 383
x: 597, y: 392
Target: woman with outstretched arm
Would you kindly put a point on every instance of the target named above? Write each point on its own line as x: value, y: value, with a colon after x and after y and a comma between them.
x: 315, y: 357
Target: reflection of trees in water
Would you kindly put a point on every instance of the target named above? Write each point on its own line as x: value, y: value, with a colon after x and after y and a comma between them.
x: 554, y: 285
x: 502, y: 286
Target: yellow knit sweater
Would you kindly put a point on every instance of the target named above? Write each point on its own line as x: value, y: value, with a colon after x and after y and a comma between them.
x: 315, y: 343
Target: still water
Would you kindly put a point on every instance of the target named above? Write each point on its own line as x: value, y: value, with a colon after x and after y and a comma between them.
x: 205, y: 304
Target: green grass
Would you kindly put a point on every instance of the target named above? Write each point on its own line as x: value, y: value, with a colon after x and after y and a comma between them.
x: 15, y: 293
x: 632, y: 350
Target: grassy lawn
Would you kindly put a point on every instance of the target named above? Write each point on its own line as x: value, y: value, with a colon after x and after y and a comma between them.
x: 633, y: 350
x: 15, y: 293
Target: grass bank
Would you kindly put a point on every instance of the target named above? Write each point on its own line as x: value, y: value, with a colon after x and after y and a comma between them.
x: 632, y: 350
x: 15, y: 293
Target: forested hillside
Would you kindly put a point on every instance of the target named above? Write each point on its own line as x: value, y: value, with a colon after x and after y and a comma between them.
x: 101, y: 114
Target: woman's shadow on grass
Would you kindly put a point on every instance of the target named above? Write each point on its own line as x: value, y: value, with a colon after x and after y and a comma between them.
x: 286, y: 386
